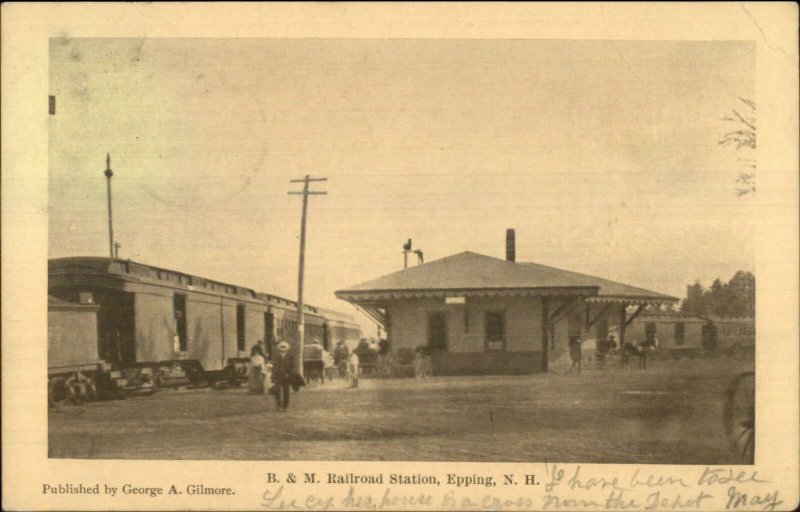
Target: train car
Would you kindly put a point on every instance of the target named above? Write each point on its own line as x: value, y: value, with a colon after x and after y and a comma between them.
x: 282, y: 322
x: 341, y: 326
x: 121, y: 326
x: 159, y: 326
x: 731, y: 335
x: 74, y: 364
x: 283, y: 317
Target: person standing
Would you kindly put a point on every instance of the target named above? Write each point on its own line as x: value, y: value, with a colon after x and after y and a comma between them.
x: 419, y: 363
x: 628, y: 349
x: 257, y: 368
x: 352, y: 369
x: 644, y: 348
x: 604, y: 346
x: 575, y: 352
x: 384, y: 361
x: 340, y: 355
x: 283, y: 367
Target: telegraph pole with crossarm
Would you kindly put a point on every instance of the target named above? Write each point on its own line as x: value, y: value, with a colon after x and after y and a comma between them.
x: 300, y: 316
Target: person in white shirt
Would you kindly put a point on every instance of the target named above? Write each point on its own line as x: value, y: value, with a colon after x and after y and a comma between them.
x: 257, y: 368
x: 352, y: 369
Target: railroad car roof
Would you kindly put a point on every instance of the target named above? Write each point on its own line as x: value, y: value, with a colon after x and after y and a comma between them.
x: 128, y: 270
x: 132, y: 271
x: 336, y: 315
x: 274, y: 300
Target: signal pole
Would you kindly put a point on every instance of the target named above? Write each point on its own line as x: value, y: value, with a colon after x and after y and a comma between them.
x: 108, y: 173
x: 300, y: 316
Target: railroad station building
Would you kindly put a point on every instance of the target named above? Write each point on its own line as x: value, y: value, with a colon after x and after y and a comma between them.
x: 483, y: 315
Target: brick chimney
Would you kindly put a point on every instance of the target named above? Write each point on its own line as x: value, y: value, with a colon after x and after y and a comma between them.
x: 510, y: 242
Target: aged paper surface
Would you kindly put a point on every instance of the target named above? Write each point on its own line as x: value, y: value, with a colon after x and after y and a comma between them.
x: 460, y: 121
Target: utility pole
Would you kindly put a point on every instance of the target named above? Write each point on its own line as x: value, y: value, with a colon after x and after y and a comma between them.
x: 108, y: 173
x: 300, y: 316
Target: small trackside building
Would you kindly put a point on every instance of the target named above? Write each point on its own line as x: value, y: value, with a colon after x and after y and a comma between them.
x: 677, y: 334
x: 483, y: 315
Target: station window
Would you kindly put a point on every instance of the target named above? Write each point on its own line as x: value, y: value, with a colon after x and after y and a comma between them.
x: 495, y: 330
x: 650, y: 331
x: 680, y: 333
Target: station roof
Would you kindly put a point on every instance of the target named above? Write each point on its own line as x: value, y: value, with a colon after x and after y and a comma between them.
x: 470, y: 273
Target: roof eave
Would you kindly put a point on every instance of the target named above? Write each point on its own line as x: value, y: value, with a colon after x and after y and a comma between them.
x: 634, y: 299
x: 390, y: 294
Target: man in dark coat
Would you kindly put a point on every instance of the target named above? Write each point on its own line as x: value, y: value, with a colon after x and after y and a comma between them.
x: 340, y: 356
x: 283, y: 368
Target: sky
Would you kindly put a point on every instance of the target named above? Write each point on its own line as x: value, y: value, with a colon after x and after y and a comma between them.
x: 602, y: 155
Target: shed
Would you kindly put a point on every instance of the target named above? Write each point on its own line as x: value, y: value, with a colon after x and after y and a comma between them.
x: 674, y: 331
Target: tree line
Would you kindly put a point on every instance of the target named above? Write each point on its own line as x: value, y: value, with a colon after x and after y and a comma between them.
x: 736, y: 298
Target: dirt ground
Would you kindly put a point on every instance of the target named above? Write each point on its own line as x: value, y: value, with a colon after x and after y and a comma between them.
x: 671, y: 413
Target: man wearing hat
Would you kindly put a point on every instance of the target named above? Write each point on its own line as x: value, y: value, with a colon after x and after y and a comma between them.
x: 282, y: 369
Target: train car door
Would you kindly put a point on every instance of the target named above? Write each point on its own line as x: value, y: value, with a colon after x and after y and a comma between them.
x: 179, y: 311
x: 115, y: 326
x: 269, y: 329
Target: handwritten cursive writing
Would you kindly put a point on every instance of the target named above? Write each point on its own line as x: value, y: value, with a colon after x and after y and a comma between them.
x: 726, y: 476
x: 738, y: 499
x: 575, y: 482
x: 660, y: 501
x: 653, y: 481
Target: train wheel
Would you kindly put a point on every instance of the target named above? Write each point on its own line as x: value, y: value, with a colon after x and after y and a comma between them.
x: 58, y: 392
x: 739, y: 416
x: 120, y: 393
x: 83, y: 389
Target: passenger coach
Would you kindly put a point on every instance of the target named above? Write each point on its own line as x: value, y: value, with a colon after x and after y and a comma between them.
x: 149, y: 317
x: 154, y: 326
